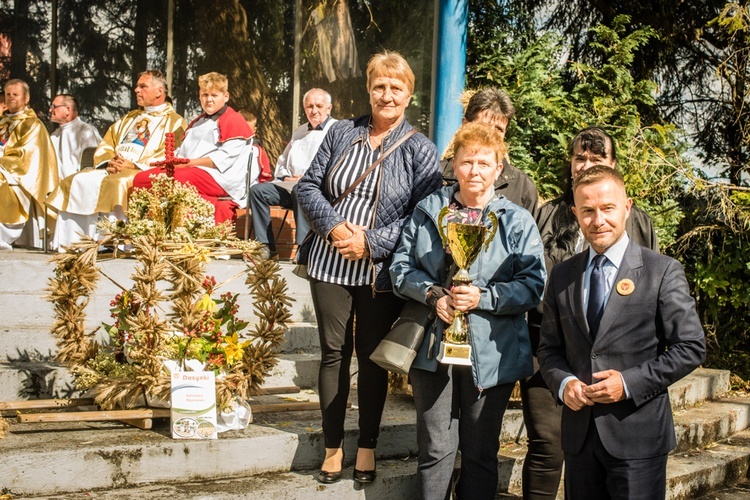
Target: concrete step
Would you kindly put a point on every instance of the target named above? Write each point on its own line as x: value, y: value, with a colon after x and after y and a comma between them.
x: 24, y: 278
x: 730, y: 492
x: 688, y: 475
x: 35, y: 380
x: 296, y: 369
x: 47, y: 379
x: 396, y: 479
x: 693, y: 474
x: 698, y: 426
x: 301, y: 337
x: 24, y: 343
x: 36, y: 343
x: 289, y: 441
x: 110, y: 455
x: 701, y: 384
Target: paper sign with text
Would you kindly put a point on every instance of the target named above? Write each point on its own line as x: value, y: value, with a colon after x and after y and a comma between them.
x: 194, y: 405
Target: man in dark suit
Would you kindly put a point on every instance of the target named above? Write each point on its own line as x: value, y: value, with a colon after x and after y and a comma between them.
x: 619, y: 327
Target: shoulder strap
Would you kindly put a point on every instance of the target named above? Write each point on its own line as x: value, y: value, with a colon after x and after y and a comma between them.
x: 372, y: 167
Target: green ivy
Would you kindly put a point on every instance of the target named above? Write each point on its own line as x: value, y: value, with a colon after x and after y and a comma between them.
x: 703, y: 225
x: 555, y: 98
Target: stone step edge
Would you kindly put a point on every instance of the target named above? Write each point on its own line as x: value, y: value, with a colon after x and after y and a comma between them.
x: 36, y: 344
x: 55, y: 365
x: 710, y: 421
x: 395, y: 433
x: 722, y: 464
x: 44, y: 380
x: 700, y: 385
x: 697, y: 472
x: 682, y: 392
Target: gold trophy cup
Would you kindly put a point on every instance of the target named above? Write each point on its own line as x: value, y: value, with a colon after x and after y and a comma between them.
x: 465, y: 242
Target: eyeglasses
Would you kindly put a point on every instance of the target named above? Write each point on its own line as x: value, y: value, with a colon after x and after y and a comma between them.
x: 55, y: 106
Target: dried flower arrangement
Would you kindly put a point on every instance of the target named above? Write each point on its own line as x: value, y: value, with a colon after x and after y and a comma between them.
x: 172, y: 240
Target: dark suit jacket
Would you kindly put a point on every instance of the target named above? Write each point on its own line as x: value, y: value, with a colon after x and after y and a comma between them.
x: 652, y: 336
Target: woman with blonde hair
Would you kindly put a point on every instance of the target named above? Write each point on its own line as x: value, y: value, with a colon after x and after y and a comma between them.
x: 354, y: 232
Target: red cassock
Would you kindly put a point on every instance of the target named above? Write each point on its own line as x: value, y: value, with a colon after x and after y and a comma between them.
x: 231, y: 125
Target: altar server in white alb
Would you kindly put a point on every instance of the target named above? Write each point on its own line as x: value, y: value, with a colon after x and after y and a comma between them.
x: 217, y: 143
x: 72, y: 136
x: 130, y: 145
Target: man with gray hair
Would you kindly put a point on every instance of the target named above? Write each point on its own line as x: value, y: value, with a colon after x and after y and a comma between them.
x: 130, y: 145
x: 72, y: 136
x: 493, y: 107
x: 291, y: 165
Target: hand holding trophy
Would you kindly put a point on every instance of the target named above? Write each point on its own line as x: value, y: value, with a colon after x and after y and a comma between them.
x: 465, y: 241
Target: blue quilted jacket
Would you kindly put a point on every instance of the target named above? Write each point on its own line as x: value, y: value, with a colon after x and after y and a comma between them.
x: 406, y: 176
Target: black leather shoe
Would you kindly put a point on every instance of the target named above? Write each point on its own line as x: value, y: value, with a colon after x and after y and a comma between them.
x: 364, y: 476
x: 328, y: 477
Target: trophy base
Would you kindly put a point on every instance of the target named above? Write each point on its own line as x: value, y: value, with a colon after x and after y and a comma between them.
x: 454, y: 354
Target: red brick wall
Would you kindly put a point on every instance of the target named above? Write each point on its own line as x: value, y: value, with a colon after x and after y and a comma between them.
x: 285, y: 242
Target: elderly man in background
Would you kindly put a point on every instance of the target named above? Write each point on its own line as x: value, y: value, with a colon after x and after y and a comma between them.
x: 492, y: 106
x: 130, y: 145
x: 27, y: 168
x: 72, y: 136
x: 291, y: 165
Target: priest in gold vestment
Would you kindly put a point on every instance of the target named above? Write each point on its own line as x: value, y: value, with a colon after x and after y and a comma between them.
x: 130, y: 146
x: 28, y: 169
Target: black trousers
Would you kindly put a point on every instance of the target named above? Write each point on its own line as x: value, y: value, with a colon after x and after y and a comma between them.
x: 337, y: 309
x: 262, y: 197
x: 594, y: 473
x: 542, y: 416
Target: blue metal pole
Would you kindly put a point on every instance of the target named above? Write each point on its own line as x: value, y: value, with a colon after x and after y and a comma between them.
x: 449, y: 75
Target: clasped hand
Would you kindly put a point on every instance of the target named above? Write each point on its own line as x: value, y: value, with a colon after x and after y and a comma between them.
x: 118, y: 163
x: 608, y: 389
x: 349, y: 239
x: 460, y: 298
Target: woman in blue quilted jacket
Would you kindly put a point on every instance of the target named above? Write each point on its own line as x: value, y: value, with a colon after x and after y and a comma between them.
x: 351, y: 248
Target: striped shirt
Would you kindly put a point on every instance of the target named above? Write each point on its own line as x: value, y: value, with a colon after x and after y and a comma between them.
x: 325, y: 262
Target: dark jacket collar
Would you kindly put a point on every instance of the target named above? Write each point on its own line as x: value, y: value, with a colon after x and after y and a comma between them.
x: 363, y: 124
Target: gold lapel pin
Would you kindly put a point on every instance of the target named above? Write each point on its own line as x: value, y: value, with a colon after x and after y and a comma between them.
x: 625, y: 286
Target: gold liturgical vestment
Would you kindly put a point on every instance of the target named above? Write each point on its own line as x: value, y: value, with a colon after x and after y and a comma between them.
x: 28, y: 164
x: 137, y: 137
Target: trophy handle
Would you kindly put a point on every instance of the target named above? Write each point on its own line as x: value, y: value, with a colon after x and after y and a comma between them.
x: 441, y: 227
x: 493, y: 229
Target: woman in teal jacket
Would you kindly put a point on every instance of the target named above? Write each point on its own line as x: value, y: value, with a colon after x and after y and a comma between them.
x: 466, y: 403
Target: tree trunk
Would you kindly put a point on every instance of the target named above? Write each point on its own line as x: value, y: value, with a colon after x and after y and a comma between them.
x: 20, y: 40
x: 223, y: 34
x: 183, y: 16
x: 736, y: 73
x: 140, y: 45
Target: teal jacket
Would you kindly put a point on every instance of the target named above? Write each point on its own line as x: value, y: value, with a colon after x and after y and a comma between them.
x: 510, y: 275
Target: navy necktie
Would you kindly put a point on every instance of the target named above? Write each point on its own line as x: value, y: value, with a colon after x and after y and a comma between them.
x: 597, y: 289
